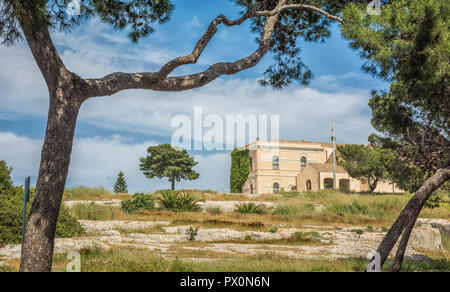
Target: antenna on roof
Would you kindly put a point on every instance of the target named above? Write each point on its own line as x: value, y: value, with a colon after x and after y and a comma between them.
x: 333, y: 138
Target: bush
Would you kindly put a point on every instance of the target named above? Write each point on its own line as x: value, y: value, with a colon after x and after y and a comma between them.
x: 192, y: 233
x: 67, y: 225
x: 178, y: 202
x: 140, y: 201
x: 354, y: 208
x: 250, y: 208
x: 435, y: 200
x: 214, y: 210
x: 11, y: 202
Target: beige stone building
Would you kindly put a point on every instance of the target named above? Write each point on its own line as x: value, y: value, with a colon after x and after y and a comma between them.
x: 299, y: 166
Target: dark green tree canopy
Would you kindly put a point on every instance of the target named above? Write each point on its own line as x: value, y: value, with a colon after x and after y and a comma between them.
x: 120, y: 187
x: 409, y: 46
x: 294, y: 26
x: 166, y: 161
x: 240, y: 169
x: 137, y: 16
x: 6, y: 182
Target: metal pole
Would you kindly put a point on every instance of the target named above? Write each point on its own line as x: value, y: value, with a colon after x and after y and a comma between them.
x: 333, y: 138
x: 25, y: 201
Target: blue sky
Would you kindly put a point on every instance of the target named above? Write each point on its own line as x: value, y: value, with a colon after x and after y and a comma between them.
x: 113, y: 132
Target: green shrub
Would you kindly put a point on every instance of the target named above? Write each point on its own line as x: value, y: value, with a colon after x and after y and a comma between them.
x: 67, y: 225
x: 179, y: 202
x: 305, y: 237
x: 214, y: 210
x: 250, y: 208
x: 358, y: 231
x: 139, y: 201
x: 354, y: 208
x: 191, y: 233
x: 435, y: 200
x: 11, y: 202
x: 11, y: 212
x: 273, y: 229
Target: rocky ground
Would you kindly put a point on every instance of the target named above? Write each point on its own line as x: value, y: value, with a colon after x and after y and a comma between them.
x: 331, y: 242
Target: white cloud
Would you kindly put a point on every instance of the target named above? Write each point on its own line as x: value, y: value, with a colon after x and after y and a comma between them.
x: 96, y: 161
x: 93, y: 51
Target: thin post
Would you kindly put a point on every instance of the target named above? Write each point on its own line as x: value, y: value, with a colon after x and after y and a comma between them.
x: 25, y: 201
x: 333, y: 138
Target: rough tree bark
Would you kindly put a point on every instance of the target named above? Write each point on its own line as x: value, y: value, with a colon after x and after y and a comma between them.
x: 173, y: 184
x: 410, y: 214
x: 400, y: 254
x: 67, y: 93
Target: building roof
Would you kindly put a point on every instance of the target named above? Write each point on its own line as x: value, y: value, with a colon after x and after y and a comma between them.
x: 320, y: 144
x: 326, y: 167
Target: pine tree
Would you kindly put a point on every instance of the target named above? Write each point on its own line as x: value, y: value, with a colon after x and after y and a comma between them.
x: 120, y: 187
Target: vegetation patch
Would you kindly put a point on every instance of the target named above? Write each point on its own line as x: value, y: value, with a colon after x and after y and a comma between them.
x: 240, y: 169
x: 179, y: 202
x: 11, y: 212
x: 82, y: 193
x: 140, y: 260
x: 250, y: 208
x: 139, y: 201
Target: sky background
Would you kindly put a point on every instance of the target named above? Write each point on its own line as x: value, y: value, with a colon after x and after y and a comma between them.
x: 113, y: 132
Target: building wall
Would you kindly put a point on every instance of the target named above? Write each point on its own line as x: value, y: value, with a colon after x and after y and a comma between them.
x: 309, y: 173
x: 383, y: 187
x: 290, y: 176
x: 263, y: 176
x: 354, y: 184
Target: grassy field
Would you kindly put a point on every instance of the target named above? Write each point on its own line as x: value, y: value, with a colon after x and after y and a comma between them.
x: 324, y: 207
x: 367, y: 211
x: 82, y: 193
x: 140, y: 260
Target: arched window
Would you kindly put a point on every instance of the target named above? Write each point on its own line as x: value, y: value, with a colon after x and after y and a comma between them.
x: 308, y: 185
x: 276, y: 188
x: 251, y: 189
x: 303, y: 162
x: 251, y: 164
x: 276, y: 162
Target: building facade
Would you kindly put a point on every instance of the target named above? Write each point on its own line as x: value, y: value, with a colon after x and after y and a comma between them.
x: 299, y: 166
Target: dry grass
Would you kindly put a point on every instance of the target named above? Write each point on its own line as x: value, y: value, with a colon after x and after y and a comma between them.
x: 82, y: 193
x: 139, y: 260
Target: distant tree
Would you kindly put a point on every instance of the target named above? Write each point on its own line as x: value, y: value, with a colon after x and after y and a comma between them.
x: 165, y: 161
x: 120, y: 187
x: 240, y: 169
x: 408, y: 45
x: 366, y: 163
x: 5, y: 176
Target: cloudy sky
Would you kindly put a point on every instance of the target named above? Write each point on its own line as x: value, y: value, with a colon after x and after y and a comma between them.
x: 113, y: 132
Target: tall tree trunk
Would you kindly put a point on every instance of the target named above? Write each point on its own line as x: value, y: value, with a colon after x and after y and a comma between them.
x: 411, y: 212
x: 173, y: 184
x: 400, y: 255
x: 40, y: 230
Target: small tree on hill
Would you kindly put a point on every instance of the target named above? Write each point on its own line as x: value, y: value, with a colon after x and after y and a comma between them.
x: 120, y: 187
x: 166, y: 161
